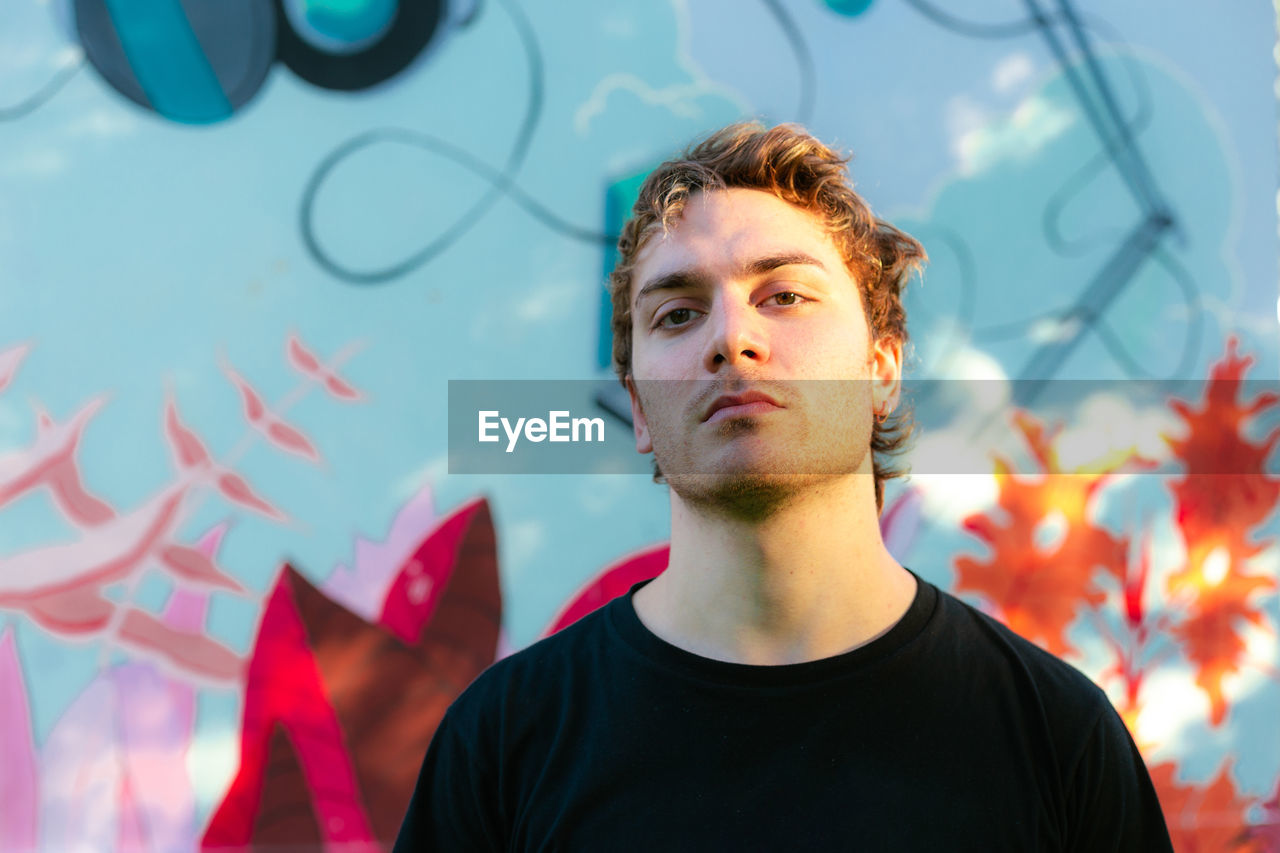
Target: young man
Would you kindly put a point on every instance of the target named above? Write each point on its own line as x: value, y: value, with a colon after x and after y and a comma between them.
x: 785, y: 684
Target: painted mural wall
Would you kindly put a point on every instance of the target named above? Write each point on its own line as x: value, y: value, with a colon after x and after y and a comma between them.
x: 245, y: 245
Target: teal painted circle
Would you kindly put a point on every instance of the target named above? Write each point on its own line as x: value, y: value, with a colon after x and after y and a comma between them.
x: 341, y: 26
x: 848, y: 8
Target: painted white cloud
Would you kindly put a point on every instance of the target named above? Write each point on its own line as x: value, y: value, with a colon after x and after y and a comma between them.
x: 1011, y: 72
x: 949, y: 466
x: 212, y: 761
x: 682, y: 99
x: 950, y: 498
x: 978, y: 145
x: 964, y: 116
x: 1171, y: 703
x: 1109, y: 423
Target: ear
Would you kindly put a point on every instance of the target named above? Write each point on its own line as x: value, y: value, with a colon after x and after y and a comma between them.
x: 886, y: 373
x: 638, y: 422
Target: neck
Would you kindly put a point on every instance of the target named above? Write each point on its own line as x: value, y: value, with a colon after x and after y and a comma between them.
x: 809, y: 580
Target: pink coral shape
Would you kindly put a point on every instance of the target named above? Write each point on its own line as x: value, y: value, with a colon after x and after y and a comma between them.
x: 157, y: 719
x: 306, y: 363
x: 290, y: 438
x: 363, y: 588
x: 79, y: 774
x: 340, y: 388
x: 280, y: 433
x: 194, y: 655
x: 237, y: 490
x: 75, y: 501
x: 303, y: 360
x: 191, y: 565
x: 10, y: 359
x: 18, y: 806
x: 132, y: 837
x: 185, y: 610
x: 188, y: 450
x: 55, y: 444
x: 254, y: 407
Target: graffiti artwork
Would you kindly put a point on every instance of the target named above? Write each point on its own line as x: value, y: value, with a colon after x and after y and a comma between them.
x: 245, y: 245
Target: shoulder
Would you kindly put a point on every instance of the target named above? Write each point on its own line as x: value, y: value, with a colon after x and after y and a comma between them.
x: 1096, y: 776
x: 1065, y: 695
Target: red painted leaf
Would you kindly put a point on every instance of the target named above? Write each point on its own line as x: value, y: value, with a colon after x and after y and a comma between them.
x: 338, y: 712
x: 613, y: 581
x: 1218, y: 514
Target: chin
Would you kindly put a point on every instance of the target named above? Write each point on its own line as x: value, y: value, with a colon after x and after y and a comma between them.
x: 756, y: 473
x: 747, y: 496
x: 748, y: 493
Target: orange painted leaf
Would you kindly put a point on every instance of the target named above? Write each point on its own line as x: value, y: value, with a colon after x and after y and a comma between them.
x: 1037, y: 590
x: 1210, y: 635
x: 1206, y: 818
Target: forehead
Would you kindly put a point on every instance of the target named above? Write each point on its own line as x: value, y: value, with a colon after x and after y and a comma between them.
x: 721, y: 229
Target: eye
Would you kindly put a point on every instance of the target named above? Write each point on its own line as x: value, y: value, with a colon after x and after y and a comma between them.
x: 675, y: 318
x: 787, y: 297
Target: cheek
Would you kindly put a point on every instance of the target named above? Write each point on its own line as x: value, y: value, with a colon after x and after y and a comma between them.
x: 834, y: 350
x: 672, y: 358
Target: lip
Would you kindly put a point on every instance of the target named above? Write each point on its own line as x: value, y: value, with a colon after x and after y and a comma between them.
x: 739, y: 405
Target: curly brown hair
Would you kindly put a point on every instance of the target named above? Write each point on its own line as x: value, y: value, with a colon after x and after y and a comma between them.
x: 790, y: 163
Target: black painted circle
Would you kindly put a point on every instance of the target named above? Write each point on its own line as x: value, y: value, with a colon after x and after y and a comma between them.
x: 416, y: 21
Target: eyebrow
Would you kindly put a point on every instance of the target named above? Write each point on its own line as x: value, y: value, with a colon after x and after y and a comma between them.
x: 688, y: 278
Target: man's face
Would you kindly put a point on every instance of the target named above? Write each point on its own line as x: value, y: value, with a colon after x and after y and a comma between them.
x: 747, y: 294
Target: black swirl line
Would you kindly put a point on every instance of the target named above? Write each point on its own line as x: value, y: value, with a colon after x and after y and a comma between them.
x: 804, y: 59
x: 501, y: 182
x: 44, y: 94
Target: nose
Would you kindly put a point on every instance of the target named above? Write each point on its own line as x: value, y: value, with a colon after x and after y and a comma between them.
x: 738, y: 335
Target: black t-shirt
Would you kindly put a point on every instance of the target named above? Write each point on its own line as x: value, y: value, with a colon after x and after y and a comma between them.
x: 948, y: 732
